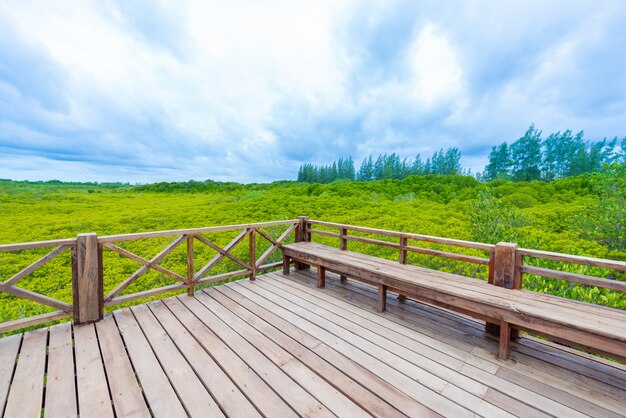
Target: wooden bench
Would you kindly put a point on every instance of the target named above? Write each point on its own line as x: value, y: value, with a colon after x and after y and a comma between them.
x: 591, y: 327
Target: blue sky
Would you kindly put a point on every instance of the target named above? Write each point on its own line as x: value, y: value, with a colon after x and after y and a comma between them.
x: 142, y: 91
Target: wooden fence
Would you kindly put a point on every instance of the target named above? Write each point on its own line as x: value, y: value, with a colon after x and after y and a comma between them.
x: 88, y: 296
x: 504, y: 261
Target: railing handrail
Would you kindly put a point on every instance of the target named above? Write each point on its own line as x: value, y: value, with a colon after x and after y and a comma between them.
x: 505, y: 263
x: 408, y: 235
x: 518, y: 269
x: 189, y: 231
x: 37, y: 244
x: 574, y: 259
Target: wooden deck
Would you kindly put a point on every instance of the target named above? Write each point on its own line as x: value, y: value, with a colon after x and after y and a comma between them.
x: 281, y: 347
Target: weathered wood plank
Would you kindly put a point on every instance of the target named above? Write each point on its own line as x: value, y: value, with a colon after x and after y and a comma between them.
x: 356, y: 382
x: 91, y: 382
x: 127, y: 396
x: 26, y: 394
x: 88, y: 303
x: 299, y: 400
x: 60, y: 385
x: 192, y: 393
x: 419, y: 367
x: 579, y: 404
x: 308, y: 379
x: 256, y: 389
x: 360, y: 351
x: 384, y: 337
x: 321, y: 365
x: 161, y: 397
x: 461, y: 341
x: 9, y: 347
x: 226, y: 393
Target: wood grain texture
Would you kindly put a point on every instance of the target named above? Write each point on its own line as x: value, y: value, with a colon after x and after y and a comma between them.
x: 126, y: 394
x: 9, y: 347
x: 283, y: 347
x: 26, y: 395
x: 89, y: 298
x: 474, y: 296
x: 91, y: 382
x: 161, y: 396
x: 60, y: 385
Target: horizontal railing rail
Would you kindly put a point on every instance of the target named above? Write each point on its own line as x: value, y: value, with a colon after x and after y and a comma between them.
x: 523, y: 253
x: 505, y: 262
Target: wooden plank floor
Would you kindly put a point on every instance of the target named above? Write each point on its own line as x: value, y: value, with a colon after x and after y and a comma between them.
x: 281, y: 347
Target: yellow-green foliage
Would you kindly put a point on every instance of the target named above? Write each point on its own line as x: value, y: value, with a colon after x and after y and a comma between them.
x: 433, y: 205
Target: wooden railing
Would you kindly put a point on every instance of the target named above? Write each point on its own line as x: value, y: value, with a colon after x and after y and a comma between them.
x: 87, y: 273
x: 503, y: 261
x: 64, y: 309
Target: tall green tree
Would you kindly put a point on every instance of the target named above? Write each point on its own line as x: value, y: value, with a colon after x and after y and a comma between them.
x: 499, y: 165
x: 526, y: 156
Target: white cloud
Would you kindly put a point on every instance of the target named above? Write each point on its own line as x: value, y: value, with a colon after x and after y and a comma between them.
x: 247, y: 90
x: 436, y: 71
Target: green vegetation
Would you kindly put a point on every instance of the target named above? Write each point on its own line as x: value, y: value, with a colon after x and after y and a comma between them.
x: 385, y: 167
x: 542, y: 215
x: 529, y: 158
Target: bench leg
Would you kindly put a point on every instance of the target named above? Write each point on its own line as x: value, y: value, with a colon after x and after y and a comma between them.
x: 505, y: 340
x: 382, y: 298
x: 286, y: 261
x: 301, y: 266
x: 343, y: 278
x: 321, y: 276
x: 401, y: 298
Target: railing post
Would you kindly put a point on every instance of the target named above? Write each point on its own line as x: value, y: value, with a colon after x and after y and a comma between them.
x: 88, y: 292
x: 302, y: 236
x: 252, y: 253
x: 503, y: 272
x: 403, y: 254
x: 343, y: 245
x: 190, y: 267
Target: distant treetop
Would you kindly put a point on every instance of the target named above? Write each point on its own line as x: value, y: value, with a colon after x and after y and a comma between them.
x: 529, y: 158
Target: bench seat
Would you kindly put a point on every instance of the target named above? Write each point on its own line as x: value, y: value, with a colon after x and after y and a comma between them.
x: 595, y: 328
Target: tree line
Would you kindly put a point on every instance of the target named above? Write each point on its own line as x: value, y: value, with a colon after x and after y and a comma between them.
x: 559, y: 155
x: 383, y: 167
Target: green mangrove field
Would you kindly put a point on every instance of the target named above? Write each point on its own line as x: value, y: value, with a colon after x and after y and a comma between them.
x: 578, y: 215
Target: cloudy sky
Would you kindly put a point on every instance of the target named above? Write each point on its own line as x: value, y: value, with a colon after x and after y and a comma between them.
x: 142, y: 91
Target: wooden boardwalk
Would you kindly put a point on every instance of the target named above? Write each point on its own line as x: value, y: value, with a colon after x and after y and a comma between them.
x: 281, y: 347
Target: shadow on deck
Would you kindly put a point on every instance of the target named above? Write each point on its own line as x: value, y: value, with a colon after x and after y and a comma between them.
x: 279, y: 346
